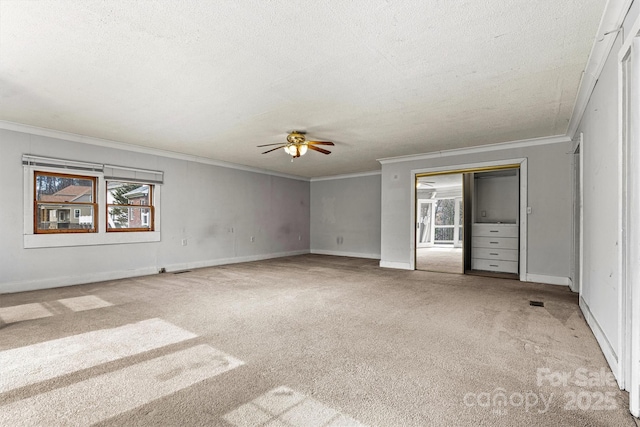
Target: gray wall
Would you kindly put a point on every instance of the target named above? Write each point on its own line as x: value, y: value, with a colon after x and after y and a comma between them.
x: 345, y: 216
x: 498, y: 197
x: 549, y: 196
x: 199, y: 202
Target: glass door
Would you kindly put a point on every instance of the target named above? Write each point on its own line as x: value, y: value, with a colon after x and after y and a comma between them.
x: 424, y: 227
x: 448, y: 220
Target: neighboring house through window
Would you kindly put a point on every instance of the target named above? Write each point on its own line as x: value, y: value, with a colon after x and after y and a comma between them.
x: 56, y: 196
x: 77, y: 203
x: 129, y: 206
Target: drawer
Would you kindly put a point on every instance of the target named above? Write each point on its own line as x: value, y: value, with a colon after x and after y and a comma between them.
x: 494, y: 242
x: 495, y: 230
x: 495, y: 253
x: 493, y: 265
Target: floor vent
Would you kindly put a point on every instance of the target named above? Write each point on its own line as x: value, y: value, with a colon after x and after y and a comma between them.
x: 180, y: 272
x: 536, y: 303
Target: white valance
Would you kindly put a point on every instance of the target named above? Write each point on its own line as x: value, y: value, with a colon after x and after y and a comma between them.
x: 50, y: 162
x: 121, y: 173
x: 111, y: 172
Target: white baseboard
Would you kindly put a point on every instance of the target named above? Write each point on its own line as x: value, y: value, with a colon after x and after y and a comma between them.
x: 235, y: 260
x: 396, y: 265
x: 348, y: 254
x: 549, y: 280
x: 58, y: 282
x: 608, y: 351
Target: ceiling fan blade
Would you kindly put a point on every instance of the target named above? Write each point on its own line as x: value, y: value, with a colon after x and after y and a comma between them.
x: 320, y: 143
x: 322, y: 150
x: 267, y: 145
x: 274, y: 149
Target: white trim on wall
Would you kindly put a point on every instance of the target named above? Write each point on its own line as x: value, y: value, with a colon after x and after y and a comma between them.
x: 610, y: 24
x: 345, y: 176
x: 57, y: 282
x: 598, y: 333
x: 67, y: 136
x: 396, y: 265
x: 628, y: 212
x: 523, y: 143
x: 578, y: 200
x: 233, y: 260
x: 549, y: 280
x: 347, y: 254
x: 61, y: 281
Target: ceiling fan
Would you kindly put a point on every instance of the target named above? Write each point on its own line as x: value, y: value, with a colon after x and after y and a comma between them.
x: 297, y: 145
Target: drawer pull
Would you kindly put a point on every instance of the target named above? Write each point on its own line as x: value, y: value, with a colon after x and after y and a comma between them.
x: 493, y: 254
x: 494, y: 243
x: 494, y: 231
x: 493, y: 265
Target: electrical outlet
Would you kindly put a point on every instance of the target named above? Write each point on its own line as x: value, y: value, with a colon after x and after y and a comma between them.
x: 184, y: 242
x: 299, y: 237
x: 529, y: 209
x: 253, y: 239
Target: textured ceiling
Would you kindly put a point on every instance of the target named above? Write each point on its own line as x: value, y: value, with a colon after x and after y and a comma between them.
x: 215, y: 79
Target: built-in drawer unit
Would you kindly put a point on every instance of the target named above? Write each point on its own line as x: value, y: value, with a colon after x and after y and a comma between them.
x: 494, y: 265
x: 495, y: 230
x: 494, y: 242
x: 494, y: 247
x: 491, y: 253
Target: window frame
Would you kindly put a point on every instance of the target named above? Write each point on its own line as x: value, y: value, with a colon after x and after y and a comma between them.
x: 93, y: 203
x: 150, y: 206
x: 101, y: 172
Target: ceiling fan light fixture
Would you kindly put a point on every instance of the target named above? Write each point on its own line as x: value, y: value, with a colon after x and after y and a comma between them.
x: 297, y: 145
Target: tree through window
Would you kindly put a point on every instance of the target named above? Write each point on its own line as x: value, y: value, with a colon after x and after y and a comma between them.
x: 129, y: 206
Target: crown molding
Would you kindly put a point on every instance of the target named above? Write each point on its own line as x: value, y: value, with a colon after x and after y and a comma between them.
x: 612, y: 19
x: 74, y: 137
x: 523, y: 143
x: 346, y: 176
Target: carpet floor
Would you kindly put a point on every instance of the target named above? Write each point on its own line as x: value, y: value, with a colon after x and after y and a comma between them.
x: 441, y: 260
x: 303, y: 341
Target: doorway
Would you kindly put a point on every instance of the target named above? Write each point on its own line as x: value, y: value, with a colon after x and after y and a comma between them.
x: 440, y: 223
x: 471, y: 219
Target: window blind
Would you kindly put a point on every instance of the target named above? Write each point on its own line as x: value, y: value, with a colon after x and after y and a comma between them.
x: 49, y: 162
x: 121, y: 173
x: 111, y: 172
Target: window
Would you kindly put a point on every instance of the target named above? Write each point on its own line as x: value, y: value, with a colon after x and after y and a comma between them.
x: 76, y: 203
x: 56, y: 196
x: 129, y: 206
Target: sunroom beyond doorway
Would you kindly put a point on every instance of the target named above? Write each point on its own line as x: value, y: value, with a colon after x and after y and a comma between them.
x: 440, y: 223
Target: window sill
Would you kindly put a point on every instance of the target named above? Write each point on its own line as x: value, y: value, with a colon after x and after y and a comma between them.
x: 88, y: 239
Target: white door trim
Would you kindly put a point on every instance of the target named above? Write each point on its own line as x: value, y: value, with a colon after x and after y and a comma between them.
x: 628, y: 215
x: 575, y: 284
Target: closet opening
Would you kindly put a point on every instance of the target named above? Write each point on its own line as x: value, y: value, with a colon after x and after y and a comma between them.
x: 468, y: 221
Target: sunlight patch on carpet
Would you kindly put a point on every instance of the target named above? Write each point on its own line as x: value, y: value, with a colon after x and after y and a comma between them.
x: 20, y: 313
x: 88, y: 302
x: 105, y: 396
x: 50, y: 359
x: 284, y: 406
